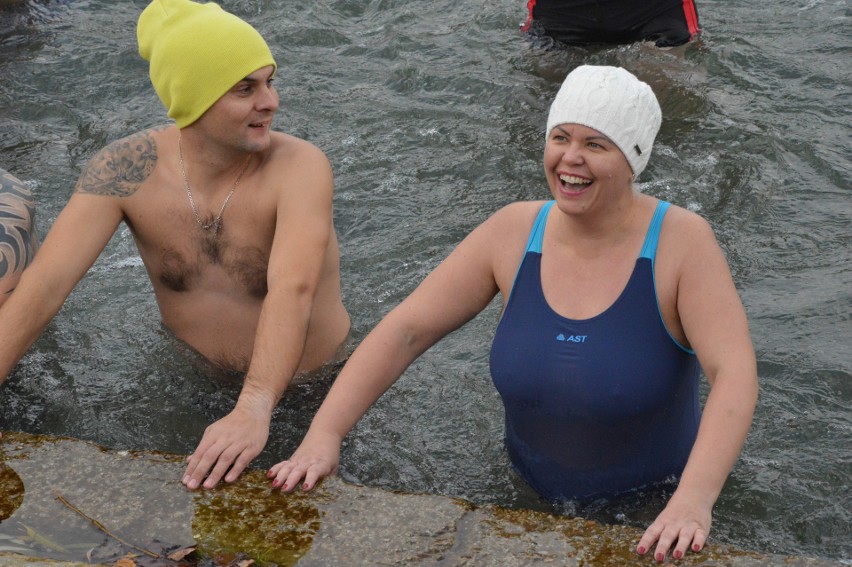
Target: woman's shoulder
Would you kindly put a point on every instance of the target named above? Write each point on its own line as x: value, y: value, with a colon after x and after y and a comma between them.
x: 521, y: 213
x: 510, y: 223
x: 686, y: 237
x: 683, y: 223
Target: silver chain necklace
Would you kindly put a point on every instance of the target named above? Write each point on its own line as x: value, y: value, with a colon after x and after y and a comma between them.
x: 217, y: 222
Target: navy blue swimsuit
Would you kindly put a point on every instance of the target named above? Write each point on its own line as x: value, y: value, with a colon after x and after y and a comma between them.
x: 598, y: 406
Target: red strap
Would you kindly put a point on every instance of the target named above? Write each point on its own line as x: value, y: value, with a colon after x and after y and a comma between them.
x: 688, y: 11
x: 530, y: 6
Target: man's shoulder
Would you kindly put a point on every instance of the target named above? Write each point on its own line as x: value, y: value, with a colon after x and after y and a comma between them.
x: 119, y: 168
x: 292, y: 145
x: 287, y: 150
x: 134, y: 139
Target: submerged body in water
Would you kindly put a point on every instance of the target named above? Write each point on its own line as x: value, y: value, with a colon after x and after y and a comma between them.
x: 666, y: 23
x: 403, y: 103
x: 252, y: 287
x: 564, y: 405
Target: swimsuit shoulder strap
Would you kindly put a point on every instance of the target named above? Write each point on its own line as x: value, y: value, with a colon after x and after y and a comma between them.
x: 537, y: 232
x: 649, y: 248
x: 533, y: 245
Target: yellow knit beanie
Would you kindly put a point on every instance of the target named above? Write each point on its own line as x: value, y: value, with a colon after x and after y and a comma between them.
x: 197, y: 53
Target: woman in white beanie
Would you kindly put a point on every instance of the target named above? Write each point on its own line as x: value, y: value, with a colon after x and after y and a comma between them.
x: 613, y: 301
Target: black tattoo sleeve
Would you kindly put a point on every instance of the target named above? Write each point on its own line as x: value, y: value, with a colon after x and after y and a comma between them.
x: 121, y: 167
x: 18, y: 238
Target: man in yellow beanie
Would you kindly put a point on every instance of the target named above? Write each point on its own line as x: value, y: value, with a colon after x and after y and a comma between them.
x: 232, y: 220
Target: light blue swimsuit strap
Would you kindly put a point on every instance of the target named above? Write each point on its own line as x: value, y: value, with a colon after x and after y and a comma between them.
x: 537, y: 232
x: 649, y: 248
x: 533, y: 244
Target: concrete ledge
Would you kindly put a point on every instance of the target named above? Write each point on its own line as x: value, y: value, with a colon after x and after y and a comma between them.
x: 138, y: 499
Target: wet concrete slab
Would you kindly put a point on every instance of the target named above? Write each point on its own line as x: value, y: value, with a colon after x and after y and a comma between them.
x: 70, y: 502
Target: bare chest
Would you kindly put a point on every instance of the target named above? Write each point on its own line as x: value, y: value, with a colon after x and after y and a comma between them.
x: 212, y: 263
x: 182, y: 256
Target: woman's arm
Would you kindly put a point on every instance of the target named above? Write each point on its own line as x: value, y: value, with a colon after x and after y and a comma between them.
x: 715, y: 324
x: 459, y: 288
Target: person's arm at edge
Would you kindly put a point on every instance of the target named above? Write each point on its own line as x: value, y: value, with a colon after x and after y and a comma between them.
x: 459, y: 288
x: 19, y: 233
x: 303, y: 230
x: 77, y: 237
x: 715, y: 323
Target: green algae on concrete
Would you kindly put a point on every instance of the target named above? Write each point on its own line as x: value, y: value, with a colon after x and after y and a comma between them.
x: 11, y: 491
x: 597, y: 544
x: 250, y: 517
x: 140, y: 498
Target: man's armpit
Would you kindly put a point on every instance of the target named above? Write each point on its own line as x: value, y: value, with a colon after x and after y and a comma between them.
x: 119, y: 169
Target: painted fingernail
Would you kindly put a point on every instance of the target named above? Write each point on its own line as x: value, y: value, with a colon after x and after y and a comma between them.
x: 696, y: 547
x: 678, y: 554
x: 658, y: 557
x: 305, y: 486
x: 284, y: 487
x: 641, y: 550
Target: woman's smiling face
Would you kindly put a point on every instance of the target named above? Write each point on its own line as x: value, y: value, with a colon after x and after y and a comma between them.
x: 583, y: 166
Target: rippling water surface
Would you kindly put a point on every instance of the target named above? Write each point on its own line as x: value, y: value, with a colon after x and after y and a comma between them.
x: 432, y: 113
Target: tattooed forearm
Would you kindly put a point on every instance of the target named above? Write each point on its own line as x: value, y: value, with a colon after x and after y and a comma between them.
x: 18, y: 239
x: 121, y: 167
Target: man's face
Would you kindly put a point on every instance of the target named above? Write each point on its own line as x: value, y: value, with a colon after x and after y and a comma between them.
x: 242, y: 117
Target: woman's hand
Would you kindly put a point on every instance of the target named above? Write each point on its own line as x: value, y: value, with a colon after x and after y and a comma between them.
x: 683, y: 523
x: 318, y: 456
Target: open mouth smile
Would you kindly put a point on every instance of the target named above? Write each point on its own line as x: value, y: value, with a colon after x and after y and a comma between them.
x: 573, y: 183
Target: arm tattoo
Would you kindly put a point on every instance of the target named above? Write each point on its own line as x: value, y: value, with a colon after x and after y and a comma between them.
x: 18, y: 239
x: 120, y: 168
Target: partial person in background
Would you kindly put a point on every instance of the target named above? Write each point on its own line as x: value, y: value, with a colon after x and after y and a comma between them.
x: 611, y: 301
x: 18, y: 237
x: 667, y: 23
x: 232, y: 220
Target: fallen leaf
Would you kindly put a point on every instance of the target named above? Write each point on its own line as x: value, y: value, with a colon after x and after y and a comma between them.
x: 126, y: 561
x: 179, y: 554
x: 42, y: 539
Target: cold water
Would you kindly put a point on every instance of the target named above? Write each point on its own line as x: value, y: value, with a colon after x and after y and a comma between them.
x: 432, y: 113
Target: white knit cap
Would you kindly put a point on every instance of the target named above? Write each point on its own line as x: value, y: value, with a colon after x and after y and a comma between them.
x: 614, y: 102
